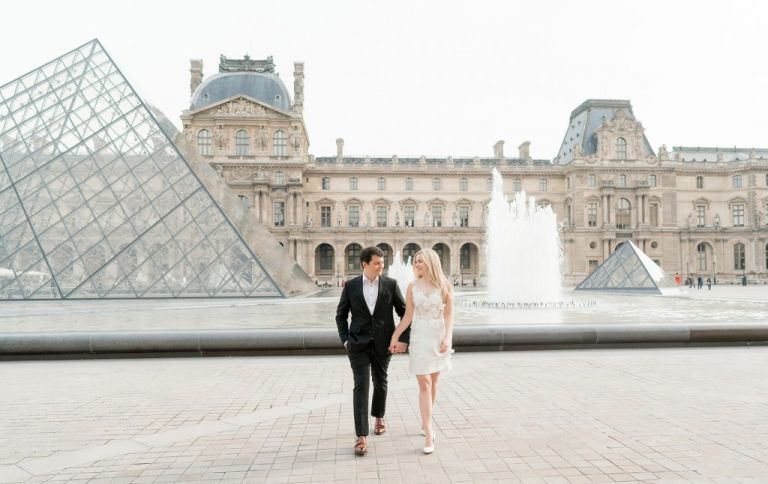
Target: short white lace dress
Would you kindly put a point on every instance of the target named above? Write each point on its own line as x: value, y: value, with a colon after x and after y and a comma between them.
x: 427, y: 331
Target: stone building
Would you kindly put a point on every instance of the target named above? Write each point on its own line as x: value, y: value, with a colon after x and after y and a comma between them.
x: 696, y: 211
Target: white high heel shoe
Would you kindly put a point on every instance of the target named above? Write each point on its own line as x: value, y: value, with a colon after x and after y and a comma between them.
x: 430, y: 449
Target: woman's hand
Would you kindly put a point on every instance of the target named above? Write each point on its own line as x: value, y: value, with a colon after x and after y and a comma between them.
x: 393, y: 344
x: 445, y: 345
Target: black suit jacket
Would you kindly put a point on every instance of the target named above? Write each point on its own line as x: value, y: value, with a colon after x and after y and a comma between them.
x: 365, y: 326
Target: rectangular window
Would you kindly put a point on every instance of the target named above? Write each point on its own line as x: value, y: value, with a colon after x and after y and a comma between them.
x: 326, y: 183
x: 699, y: 182
x: 591, y: 180
x: 354, y: 216
x: 463, y: 184
x: 701, y: 212
x: 738, y: 215
x: 592, y: 265
x: 325, y: 216
x: 437, y: 216
x: 652, y: 180
x: 279, y: 214
x: 463, y: 216
x: 381, y: 216
x: 409, y: 213
x: 543, y: 185
x: 382, y: 183
x: 435, y: 184
x: 409, y: 184
x: 516, y: 185
x: 591, y: 214
x: 737, y: 181
x: 353, y: 183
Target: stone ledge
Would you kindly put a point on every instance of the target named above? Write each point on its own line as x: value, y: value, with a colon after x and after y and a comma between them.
x: 302, y: 341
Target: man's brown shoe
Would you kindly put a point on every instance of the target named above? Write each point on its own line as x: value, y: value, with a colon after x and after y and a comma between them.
x: 361, y: 447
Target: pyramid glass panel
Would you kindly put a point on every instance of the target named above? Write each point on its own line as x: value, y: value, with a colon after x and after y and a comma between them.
x: 95, y: 200
x: 628, y: 269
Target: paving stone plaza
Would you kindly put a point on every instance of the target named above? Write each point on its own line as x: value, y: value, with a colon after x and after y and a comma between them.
x: 631, y: 415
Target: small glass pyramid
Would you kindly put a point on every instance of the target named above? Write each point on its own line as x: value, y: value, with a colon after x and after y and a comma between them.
x: 628, y: 269
x: 95, y: 200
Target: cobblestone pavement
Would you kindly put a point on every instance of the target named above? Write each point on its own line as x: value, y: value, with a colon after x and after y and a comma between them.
x: 630, y: 415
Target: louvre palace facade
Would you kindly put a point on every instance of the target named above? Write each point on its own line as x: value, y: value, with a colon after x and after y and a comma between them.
x: 697, y: 211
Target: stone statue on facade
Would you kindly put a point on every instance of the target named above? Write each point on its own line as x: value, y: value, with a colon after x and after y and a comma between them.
x: 663, y: 154
x: 717, y: 220
x: 220, y: 138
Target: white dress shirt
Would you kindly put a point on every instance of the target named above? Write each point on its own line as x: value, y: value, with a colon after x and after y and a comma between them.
x: 370, y: 292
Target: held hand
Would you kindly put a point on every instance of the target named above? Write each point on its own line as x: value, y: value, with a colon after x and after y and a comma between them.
x: 444, y: 346
x: 401, y: 347
x: 393, y: 345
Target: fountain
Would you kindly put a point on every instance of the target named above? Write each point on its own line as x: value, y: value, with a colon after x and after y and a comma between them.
x: 401, y: 271
x: 523, y: 251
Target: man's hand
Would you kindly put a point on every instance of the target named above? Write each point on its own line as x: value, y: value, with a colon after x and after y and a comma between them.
x: 400, y: 347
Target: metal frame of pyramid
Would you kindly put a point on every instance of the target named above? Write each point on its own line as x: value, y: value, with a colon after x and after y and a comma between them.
x: 97, y: 202
x: 628, y: 269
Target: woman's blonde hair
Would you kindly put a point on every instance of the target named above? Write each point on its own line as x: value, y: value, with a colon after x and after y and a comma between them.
x: 434, y: 273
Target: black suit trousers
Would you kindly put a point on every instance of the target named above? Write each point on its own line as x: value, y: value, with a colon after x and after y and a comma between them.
x: 367, y: 363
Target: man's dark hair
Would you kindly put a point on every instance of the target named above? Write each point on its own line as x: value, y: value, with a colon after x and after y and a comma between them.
x: 367, y: 254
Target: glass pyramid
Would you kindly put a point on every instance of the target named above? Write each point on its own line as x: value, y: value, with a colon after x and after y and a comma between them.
x: 628, y: 269
x: 95, y: 200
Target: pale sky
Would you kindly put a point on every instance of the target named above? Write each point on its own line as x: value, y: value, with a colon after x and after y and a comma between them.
x: 438, y: 78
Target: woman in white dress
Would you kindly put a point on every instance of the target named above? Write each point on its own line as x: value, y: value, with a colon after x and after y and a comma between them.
x: 429, y: 313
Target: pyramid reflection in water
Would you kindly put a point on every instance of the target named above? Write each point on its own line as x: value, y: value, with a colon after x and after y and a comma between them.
x: 628, y: 269
x: 96, y: 202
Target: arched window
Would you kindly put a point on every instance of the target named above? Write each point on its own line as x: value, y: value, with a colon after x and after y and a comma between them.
x: 701, y: 257
x: 621, y: 148
x: 242, y: 143
x: 410, y: 251
x: 279, y: 178
x: 204, y: 142
x: 622, y: 180
x: 409, y: 184
x: 382, y: 183
x: 279, y: 143
x: 353, y: 257
x: 463, y: 184
x: 324, y: 255
x: 623, y: 214
x: 353, y: 183
x: 468, y: 254
x: 699, y: 181
x: 766, y: 256
x: 444, y: 254
x: 387, y: 253
x: 326, y: 183
x: 738, y: 257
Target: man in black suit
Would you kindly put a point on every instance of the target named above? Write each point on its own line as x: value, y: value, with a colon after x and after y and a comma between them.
x: 370, y: 298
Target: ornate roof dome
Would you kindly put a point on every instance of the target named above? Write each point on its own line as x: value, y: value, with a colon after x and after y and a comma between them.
x: 262, y: 86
